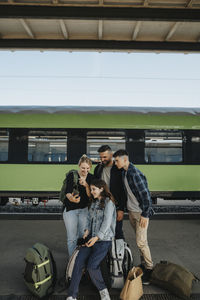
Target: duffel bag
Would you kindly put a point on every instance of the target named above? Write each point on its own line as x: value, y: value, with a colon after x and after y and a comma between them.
x: 174, y: 278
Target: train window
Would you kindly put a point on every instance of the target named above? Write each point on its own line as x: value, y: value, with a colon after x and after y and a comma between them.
x: 163, y: 146
x: 47, y: 146
x: 95, y: 139
x: 4, y: 137
x: 195, y: 139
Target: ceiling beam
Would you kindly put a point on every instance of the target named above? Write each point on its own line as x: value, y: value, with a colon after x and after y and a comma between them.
x: 99, y: 13
x: 64, y: 29
x: 27, y: 28
x: 136, y: 30
x: 190, y: 3
x: 96, y: 45
x: 172, y: 31
x: 100, y: 29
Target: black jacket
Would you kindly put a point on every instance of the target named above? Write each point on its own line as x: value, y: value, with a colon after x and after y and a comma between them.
x: 116, y: 185
x: 84, y: 201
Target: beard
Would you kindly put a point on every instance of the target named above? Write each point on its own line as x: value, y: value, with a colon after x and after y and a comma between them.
x: 106, y: 162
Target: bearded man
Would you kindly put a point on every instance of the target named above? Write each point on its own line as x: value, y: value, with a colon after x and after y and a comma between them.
x: 108, y: 171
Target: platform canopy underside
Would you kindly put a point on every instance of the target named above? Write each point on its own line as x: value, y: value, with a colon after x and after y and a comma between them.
x: 100, y: 25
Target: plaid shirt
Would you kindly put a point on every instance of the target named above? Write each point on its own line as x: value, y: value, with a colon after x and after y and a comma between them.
x: 139, y: 187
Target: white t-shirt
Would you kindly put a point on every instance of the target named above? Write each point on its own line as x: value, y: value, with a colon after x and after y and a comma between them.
x: 132, y: 202
x: 106, y: 175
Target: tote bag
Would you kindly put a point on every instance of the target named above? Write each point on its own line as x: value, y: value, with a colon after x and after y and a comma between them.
x: 132, y: 289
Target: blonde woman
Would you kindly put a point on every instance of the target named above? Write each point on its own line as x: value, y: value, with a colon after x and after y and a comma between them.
x: 76, y: 203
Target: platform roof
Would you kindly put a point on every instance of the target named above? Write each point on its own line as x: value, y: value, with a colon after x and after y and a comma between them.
x: 195, y: 111
x: 101, y: 25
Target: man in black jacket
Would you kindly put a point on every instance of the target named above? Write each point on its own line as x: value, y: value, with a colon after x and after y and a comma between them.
x: 108, y: 171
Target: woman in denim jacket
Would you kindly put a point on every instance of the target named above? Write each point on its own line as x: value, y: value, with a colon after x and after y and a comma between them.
x: 100, y: 231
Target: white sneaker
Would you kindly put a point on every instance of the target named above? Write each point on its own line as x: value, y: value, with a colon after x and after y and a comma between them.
x: 70, y: 298
x: 104, y: 294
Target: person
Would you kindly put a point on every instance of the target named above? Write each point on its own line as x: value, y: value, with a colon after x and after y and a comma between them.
x: 100, y: 230
x: 76, y: 205
x: 139, y: 205
x: 108, y: 171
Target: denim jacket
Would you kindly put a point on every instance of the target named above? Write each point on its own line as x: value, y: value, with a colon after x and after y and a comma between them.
x: 101, y: 222
x: 139, y: 187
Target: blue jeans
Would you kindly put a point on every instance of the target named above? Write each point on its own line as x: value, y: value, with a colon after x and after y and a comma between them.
x: 91, y: 259
x: 75, y: 223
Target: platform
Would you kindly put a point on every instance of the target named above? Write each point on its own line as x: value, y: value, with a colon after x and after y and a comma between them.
x: 174, y: 240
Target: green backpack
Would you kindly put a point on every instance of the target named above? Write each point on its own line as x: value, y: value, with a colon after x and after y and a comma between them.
x: 62, y: 195
x: 40, y: 271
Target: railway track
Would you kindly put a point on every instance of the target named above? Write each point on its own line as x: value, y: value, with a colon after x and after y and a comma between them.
x: 55, y: 212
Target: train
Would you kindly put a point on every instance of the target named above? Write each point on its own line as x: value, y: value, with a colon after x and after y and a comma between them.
x: 40, y: 144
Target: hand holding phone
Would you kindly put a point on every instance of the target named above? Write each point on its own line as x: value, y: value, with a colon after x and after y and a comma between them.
x: 75, y: 198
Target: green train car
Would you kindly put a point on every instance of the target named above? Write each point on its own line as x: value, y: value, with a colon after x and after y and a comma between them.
x: 38, y: 145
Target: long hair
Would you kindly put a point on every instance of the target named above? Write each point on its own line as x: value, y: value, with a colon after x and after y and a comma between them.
x: 105, y: 193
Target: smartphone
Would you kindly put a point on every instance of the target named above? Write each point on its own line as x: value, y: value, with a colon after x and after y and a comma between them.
x: 75, y: 193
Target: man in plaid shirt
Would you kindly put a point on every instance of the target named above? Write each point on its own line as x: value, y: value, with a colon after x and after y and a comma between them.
x: 139, y: 205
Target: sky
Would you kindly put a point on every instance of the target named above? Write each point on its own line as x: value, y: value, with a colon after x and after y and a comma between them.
x: 55, y: 78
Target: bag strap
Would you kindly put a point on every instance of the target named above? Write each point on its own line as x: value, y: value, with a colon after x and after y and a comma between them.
x: 72, y: 257
x: 117, y: 266
x: 116, y: 254
x: 75, y: 178
x: 37, y: 284
x: 42, y: 264
x: 126, y: 248
x: 41, y: 259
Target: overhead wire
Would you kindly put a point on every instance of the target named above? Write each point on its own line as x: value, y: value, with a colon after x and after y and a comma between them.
x: 97, y: 77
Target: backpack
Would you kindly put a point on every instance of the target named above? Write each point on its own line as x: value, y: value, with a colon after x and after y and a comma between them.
x: 70, y: 265
x: 62, y: 195
x: 121, y: 261
x: 114, y: 267
x: 40, y: 271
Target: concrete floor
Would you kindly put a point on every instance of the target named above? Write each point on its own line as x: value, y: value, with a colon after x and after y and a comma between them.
x: 174, y: 240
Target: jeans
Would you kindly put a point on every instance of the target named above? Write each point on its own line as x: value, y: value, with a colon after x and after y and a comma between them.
x: 75, y: 223
x: 90, y: 258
